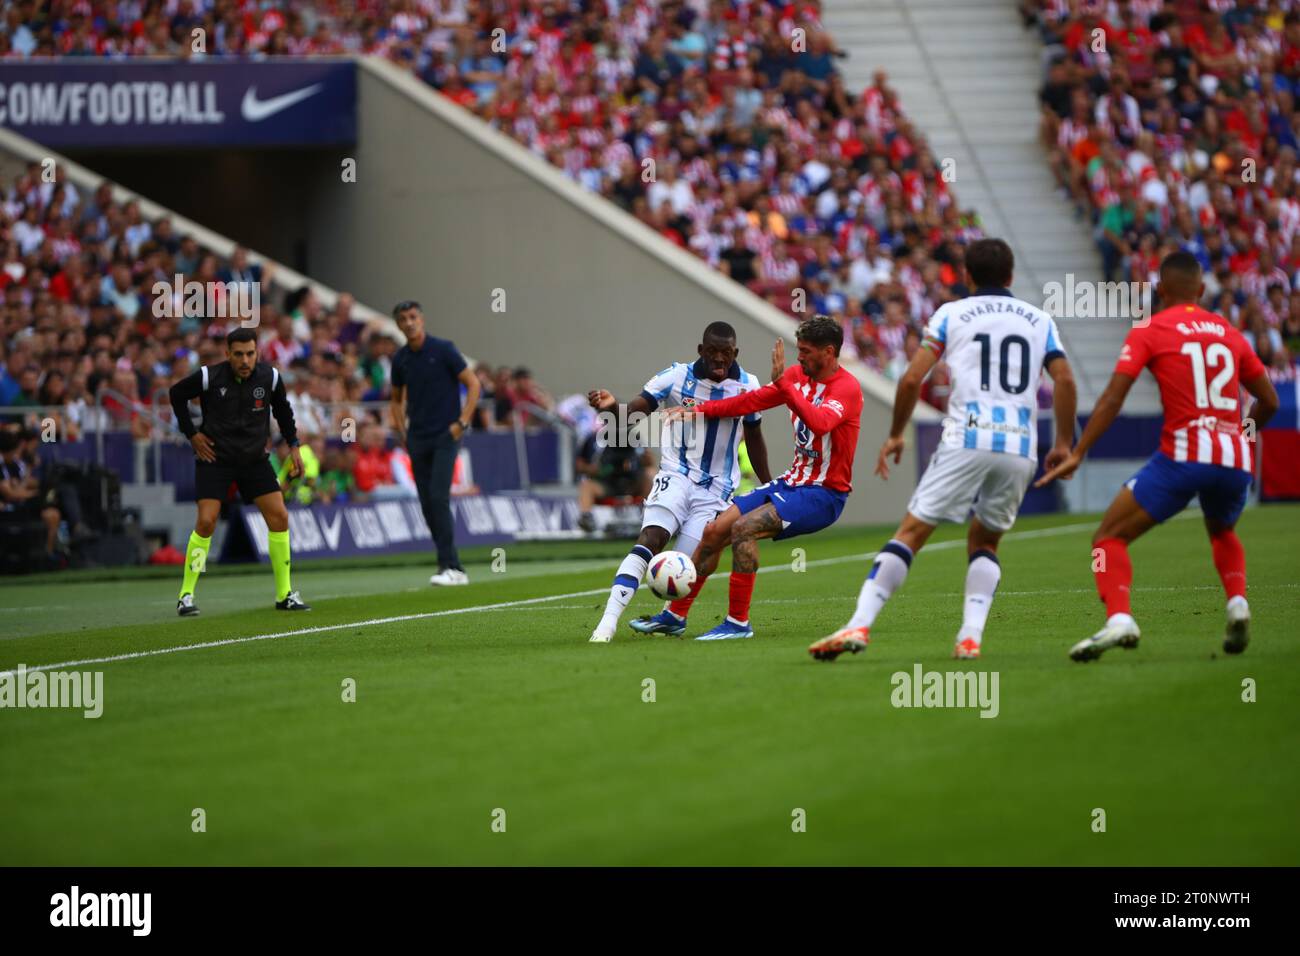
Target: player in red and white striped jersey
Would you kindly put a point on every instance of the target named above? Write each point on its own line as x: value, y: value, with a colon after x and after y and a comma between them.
x: 1200, y: 363
x: 825, y: 403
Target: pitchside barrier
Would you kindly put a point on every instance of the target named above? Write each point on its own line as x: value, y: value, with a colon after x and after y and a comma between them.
x: 397, y: 526
x: 1279, y: 447
x: 492, y: 457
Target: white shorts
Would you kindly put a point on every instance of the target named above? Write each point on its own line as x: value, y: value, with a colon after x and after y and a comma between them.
x: 682, y: 507
x: 956, y: 479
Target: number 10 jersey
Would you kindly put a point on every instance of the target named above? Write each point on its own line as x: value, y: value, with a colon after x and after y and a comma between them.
x: 996, y: 345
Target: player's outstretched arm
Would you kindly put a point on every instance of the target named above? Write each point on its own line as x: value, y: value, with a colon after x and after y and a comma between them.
x: 1106, y: 411
x: 760, y: 399
x: 604, y: 401
x: 1065, y: 405
x: 757, y: 447
x: 906, y: 396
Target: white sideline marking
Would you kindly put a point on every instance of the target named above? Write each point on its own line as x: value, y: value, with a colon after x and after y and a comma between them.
x: 372, y: 622
x: 134, y: 655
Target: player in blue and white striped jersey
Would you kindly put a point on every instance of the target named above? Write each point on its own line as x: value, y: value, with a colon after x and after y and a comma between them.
x: 704, y: 451
x: 996, y: 346
x: 699, y: 467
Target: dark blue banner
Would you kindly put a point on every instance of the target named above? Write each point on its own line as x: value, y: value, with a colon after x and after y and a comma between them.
x: 396, y: 526
x: 492, y: 459
x: 232, y: 103
x: 1288, y: 412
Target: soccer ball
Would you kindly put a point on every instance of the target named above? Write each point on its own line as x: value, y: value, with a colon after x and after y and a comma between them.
x: 670, y: 574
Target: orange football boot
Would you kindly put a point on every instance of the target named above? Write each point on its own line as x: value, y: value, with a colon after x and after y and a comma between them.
x: 851, y: 639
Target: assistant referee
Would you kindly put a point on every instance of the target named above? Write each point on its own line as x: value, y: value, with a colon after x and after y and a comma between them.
x: 427, y: 375
x: 237, y: 397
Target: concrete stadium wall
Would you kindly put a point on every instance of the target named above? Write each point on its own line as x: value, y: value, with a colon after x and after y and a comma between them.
x: 446, y: 210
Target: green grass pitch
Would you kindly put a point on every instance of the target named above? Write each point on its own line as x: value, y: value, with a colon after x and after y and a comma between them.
x: 479, y: 703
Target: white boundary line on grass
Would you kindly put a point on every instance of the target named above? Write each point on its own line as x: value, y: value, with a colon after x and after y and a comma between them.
x: 523, y: 602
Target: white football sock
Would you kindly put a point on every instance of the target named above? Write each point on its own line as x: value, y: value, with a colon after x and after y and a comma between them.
x: 887, y: 574
x: 626, y: 581
x: 982, y: 576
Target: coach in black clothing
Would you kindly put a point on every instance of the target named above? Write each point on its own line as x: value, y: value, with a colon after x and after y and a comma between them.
x: 427, y: 375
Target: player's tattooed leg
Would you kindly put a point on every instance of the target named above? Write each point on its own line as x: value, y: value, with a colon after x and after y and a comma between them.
x: 716, y: 537
x: 760, y: 523
x: 706, y: 555
x: 745, y: 555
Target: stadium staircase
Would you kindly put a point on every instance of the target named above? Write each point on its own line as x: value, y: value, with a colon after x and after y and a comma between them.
x: 968, y: 74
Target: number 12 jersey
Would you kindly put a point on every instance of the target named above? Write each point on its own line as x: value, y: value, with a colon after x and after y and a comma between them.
x: 1199, y: 362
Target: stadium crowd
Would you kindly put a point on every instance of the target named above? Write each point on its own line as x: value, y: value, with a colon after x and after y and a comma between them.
x: 724, y: 126
x: 721, y: 124
x: 1173, y: 125
x: 86, y: 338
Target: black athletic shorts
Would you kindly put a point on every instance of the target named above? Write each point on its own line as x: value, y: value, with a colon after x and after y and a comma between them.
x: 214, y: 480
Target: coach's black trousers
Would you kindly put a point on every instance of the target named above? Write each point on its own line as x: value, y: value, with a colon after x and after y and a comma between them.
x: 433, y: 460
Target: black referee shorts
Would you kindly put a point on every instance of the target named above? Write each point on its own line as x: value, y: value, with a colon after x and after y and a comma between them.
x: 213, y: 480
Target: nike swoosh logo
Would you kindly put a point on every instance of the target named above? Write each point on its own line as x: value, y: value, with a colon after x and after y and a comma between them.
x: 255, y: 110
